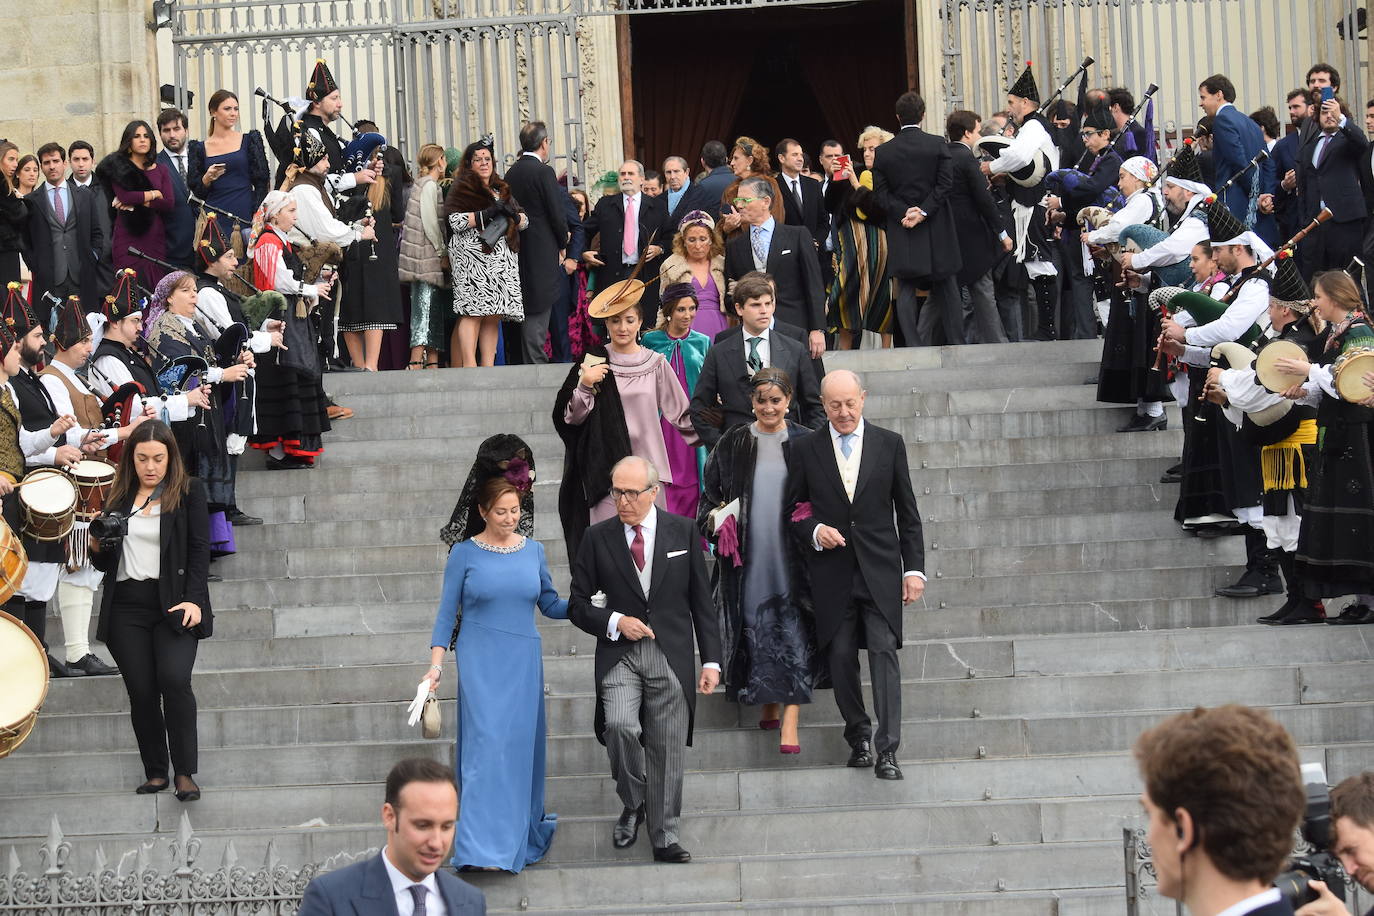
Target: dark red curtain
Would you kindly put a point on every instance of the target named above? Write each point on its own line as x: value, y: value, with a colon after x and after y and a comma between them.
x: 854, y: 86
x: 680, y: 107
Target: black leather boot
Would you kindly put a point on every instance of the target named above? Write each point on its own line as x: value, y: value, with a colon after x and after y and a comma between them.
x: 1261, y: 576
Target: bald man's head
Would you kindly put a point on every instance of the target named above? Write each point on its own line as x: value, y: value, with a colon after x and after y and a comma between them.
x: 842, y: 395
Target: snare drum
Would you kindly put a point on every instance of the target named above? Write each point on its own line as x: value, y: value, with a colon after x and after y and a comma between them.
x: 1347, y: 373
x: 48, y: 498
x: 93, y: 480
x: 1269, y: 375
x: 14, y: 562
x: 23, y: 682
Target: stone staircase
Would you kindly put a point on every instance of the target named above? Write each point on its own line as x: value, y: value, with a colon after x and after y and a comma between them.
x: 1065, y: 613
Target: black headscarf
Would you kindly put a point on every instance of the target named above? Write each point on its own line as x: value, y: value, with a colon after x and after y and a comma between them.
x: 502, y: 455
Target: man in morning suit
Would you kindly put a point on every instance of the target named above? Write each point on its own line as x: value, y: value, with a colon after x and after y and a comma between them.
x: 420, y: 813
x: 181, y: 223
x: 544, y: 241
x: 626, y: 223
x: 65, y: 238
x: 1328, y: 175
x: 978, y: 226
x: 844, y: 490
x: 803, y: 203
x: 648, y: 567
x: 721, y: 399
x: 912, y: 177
x: 1215, y: 850
x: 787, y: 253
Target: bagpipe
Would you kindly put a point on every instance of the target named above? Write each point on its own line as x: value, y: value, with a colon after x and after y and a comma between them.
x: 1054, y: 96
x: 229, y: 343
x: 1034, y: 172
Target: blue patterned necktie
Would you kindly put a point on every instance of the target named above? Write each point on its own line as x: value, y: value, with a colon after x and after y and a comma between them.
x: 760, y: 249
x: 847, y: 445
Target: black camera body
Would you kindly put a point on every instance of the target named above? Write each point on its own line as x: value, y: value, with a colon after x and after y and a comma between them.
x: 109, y: 527
x: 1320, y: 864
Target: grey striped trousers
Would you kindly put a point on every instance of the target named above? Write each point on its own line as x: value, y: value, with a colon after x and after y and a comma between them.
x: 648, y: 774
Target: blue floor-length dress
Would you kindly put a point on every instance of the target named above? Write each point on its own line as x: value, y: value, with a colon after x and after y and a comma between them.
x: 500, y: 749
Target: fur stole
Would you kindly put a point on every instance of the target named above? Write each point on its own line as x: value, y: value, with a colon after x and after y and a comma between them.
x: 118, y: 169
x: 467, y: 194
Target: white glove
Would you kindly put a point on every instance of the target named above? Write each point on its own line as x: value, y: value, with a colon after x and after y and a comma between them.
x: 599, y: 600
x: 417, y: 705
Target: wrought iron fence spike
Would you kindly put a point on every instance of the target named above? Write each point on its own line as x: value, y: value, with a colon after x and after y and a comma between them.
x: 55, y: 849
x: 230, y: 857
x: 270, y: 860
x: 101, y: 863
x: 12, y: 867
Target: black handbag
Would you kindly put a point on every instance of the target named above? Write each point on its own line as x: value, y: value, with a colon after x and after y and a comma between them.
x: 494, y: 231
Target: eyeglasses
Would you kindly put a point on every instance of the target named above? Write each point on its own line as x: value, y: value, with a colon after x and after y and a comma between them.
x: 617, y: 495
x: 1085, y: 134
x: 745, y: 200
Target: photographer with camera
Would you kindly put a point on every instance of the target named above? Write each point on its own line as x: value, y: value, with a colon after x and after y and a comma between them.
x: 1223, y: 794
x: 1352, y: 814
x: 153, y: 545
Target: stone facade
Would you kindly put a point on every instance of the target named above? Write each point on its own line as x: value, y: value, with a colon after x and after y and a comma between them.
x: 77, y: 69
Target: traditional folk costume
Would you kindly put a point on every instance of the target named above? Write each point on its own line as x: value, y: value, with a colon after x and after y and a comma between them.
x: 371, y: 296
x: 182, y: 351
x: 1132, y: 328
x: 291, y: 417
x: 1336, y: 545
x: 1222, y: 483
x: 1032, y: 151
x: 78, y: 580
x: 1092, y: 182
x: 124, y: 373
x: 37, y: 413
x: 1286, y: 433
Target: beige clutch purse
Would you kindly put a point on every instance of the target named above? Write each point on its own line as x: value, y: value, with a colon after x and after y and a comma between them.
x: 429, y: 717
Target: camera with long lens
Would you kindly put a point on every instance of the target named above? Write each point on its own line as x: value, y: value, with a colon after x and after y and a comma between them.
x: 109, y: 527
x: 1319, y: 864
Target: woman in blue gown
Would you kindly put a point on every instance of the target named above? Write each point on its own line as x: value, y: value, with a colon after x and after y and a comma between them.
x: 492, y: 584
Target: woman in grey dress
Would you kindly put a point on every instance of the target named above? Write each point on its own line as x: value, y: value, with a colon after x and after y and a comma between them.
x: 761, y: 589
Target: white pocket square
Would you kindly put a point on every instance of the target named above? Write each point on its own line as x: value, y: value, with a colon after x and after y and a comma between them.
x: 785, y: 251
x: 675, y: 553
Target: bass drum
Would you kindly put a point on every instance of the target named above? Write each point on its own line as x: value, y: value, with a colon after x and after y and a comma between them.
x: 23, y: 682
x: 14, y: 562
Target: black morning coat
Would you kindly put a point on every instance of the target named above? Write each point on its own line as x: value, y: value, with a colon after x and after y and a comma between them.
x: 185, y: 568
x: 678, y: 605
x: 881, y: 527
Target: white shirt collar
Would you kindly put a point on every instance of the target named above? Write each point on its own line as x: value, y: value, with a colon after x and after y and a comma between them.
x: 763, y: 335
x: 767, y: 225
x: 50, y: 187
x: 650, y: 522
x: 530, y: 152
x: 70, y: 373
x: 1250, y: 904
x: 835, y: 434
x: 400, y: 883
x: 82, y: 184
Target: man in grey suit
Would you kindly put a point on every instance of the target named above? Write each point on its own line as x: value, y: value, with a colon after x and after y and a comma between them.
x: 639, y: 586
x: 544, y: 242
x: 65, y: 238
x: 420, y: 814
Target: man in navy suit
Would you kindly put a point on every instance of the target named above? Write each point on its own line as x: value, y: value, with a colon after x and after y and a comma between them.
x: 1217, y: 849
x: 181, y: 222
x: 1328, y: 175
x: 1282, y: 196
x: 1235, y: 141
x: 420, y: 814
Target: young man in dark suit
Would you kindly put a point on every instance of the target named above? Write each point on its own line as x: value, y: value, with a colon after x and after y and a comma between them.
x: 787, y: 254
x: 912, y: 177
x: 853, y: 509
x: 181, y: 222
x: 1215, y: 850
x: 543, y: 243
x: 1235, y: 141
x: 1328, y: 175
x: 639, y: 586
x: 721, y: 399
x: 802, y: 202
x: 978, y: 225
x: 65, y: 238
x: 615, y: 257
x: 420, y: 814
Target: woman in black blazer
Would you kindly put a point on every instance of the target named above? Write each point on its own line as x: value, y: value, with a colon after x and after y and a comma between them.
x: 155, y: 603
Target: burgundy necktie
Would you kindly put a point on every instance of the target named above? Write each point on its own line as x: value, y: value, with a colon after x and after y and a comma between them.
x: 58, y: 210
x: 637, y: 547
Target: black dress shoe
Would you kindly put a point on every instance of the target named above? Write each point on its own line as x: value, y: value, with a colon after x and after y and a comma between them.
x: 62, y: 669
x: 626, y: 829
x: 149, y: 787
x: 285, y: 464
x: 239, y: 518
x: 1304, y: 613
x: 1271, y: 620
x: 861, y: 755
x: 1143, y: 424
x: 1355, y: 614
x: 93, y: 666
x: 190, y: 793
x: 1252, y: 584
x: 672, y: 853
x: 887, y: 767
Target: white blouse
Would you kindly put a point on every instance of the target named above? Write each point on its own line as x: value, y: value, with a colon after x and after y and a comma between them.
x: 142, y: 559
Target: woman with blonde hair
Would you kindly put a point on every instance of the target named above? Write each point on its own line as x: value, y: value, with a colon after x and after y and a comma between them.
x: 748, y: 159
x: 14, y: 214
x: 698, y: 259
x: 861, y: 295
x: 424, y: 257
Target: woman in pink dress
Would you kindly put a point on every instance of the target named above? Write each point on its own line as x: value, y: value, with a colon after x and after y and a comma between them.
x: 698, y: 258
x: 610, y: 407
x: 141, y: 191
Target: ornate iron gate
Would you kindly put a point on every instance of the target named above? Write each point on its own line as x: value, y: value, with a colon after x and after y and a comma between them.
x: 442, y: 71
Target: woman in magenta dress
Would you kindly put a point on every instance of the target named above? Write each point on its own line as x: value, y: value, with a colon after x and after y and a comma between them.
x: 141, y: 191
x: 684, y: 347
x: 698, y: 259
